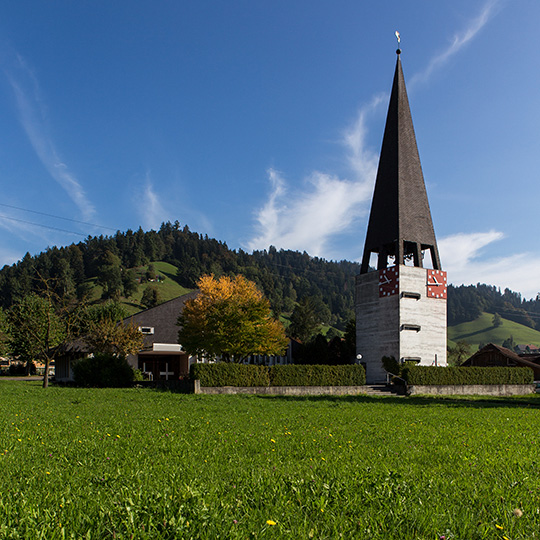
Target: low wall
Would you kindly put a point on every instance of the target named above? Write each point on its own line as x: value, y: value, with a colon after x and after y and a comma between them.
x: 283, y: 390
x: 442, y: 390
x: 472, y: 390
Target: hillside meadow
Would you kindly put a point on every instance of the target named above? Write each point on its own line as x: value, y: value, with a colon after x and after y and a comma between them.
x: 144, y: 464
x: 481, y: 331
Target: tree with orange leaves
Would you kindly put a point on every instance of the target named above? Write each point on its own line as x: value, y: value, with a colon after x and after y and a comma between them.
x: 230, y: 318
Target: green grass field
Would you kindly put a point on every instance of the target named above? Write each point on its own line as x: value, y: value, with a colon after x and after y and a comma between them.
x: 144, y: 464
x: 481, y: 330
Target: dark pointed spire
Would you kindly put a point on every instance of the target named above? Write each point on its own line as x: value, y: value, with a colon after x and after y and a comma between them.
x: 400, y: 220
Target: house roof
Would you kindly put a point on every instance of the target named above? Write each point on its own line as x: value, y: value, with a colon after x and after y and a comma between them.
x: 507, y: 353
x: 527, y: 348
x: 162, y: 319
x: 400, y: 219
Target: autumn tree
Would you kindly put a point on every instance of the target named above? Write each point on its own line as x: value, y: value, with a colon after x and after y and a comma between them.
x: 230, y: 318
x: 105, y: 332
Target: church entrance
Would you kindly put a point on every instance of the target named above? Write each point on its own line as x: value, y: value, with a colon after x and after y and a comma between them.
x: 164, y: 367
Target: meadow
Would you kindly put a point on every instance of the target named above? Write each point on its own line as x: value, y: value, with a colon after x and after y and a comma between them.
x: 147, y: 464
x: 481, y: 331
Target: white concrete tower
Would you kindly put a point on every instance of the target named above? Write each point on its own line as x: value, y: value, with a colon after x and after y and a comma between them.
x: 400, y: 306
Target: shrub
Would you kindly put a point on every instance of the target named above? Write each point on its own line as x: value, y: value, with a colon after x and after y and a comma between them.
x: 229, y: 374
x: 431, y: 375
x: 17, y: 369
x: 317, y: 375
x: 391, y: 365
x: 102, y: 371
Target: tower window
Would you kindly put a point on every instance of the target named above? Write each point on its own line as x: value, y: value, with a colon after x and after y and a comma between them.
x: 414, y: 295
x: 415, y: 327
x: 416, y: 359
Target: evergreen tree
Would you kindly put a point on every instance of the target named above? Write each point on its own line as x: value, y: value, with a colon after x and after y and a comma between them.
x: 150, y: 297
x: 304, y: 321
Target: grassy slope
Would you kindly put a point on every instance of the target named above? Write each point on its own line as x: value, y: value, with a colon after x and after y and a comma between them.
x: 141, y: 464
x: 481, y: 330
x: 168, y: 288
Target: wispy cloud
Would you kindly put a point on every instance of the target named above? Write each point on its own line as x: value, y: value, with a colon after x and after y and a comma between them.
x: 458, y: 41
x: 306, y: 219
x: 324, y: 206
x: 15, y: 224
x: 463, y: 259
x: 32, y: 116
x: 151, y: 211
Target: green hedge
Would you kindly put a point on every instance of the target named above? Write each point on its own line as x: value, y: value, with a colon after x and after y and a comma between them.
x: 430, y: 375
x: 228, y: 374
x: 103, y: 371
x: 317, y: 375
x: 225, y: 374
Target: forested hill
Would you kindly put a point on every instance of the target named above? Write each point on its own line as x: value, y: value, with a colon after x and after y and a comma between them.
x: 466, y: 303
x: 109, y: 261
x: 114, y: 263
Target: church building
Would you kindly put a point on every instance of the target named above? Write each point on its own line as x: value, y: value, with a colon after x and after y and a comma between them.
x: 401, y: 303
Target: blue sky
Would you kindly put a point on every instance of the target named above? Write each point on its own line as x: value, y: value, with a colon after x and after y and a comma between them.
x: 260, y: 123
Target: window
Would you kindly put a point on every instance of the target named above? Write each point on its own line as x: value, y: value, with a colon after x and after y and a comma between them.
x: 415, y: 327
x: 149, y: 330
x: 414, y: 295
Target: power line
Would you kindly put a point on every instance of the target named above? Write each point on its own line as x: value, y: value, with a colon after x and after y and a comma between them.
x: 53, y: 216
x: 43, y: 226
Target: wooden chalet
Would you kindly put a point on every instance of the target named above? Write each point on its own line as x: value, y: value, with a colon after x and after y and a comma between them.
x: 495, y: 356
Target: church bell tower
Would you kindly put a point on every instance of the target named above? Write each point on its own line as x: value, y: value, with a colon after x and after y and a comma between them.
x: 400, y: 305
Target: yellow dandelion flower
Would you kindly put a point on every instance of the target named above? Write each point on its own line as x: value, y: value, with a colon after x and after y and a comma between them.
x: 500, y: 527
x: 272, y: 440
x: 270, y: 522
x: 47, y: 472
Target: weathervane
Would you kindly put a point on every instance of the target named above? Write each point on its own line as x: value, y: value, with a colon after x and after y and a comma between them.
x: 398, y: 37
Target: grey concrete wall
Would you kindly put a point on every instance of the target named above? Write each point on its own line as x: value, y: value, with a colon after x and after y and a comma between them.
x: 473, y: 390
x: 429, y: 313
x: 377, y: 321
x: 284, y: 390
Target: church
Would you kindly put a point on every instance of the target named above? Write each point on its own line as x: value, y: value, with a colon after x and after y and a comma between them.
x: 401, y: 288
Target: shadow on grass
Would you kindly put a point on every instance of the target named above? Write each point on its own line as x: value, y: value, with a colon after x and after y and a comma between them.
x: 476, y: 402
x: 471, y: 334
